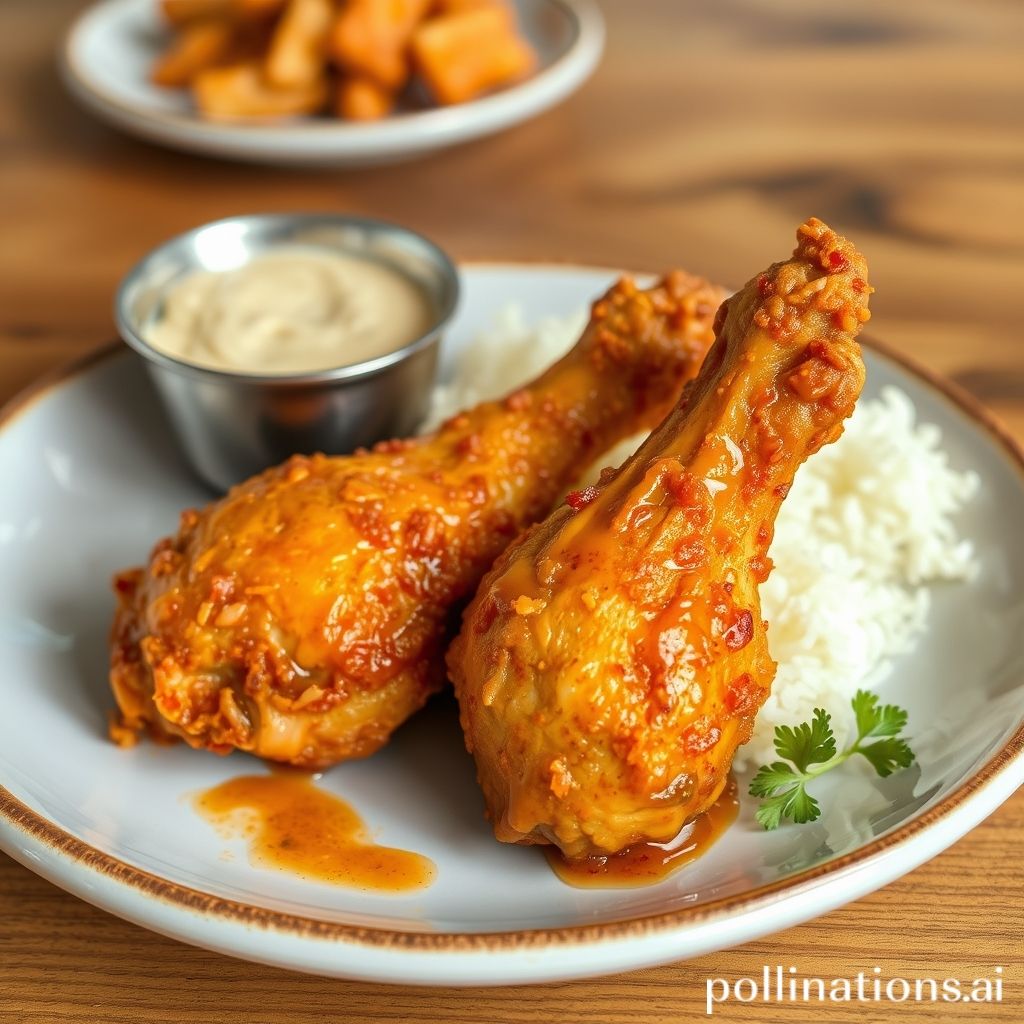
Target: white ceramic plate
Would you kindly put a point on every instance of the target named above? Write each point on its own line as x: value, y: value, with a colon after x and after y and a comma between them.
x: 91, y: 478
x: 110, y: 49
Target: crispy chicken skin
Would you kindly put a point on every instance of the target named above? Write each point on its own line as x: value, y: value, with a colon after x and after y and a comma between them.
x: 303, y: 617
x: 615, y: 657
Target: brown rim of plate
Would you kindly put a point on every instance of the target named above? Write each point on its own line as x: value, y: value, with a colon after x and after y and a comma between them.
x: 63, y: 843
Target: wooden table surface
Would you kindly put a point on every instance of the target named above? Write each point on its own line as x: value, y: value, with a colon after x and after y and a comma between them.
x: 708, y: 133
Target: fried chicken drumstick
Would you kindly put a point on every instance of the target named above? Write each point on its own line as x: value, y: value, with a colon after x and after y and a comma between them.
x: 303, y: 617
x: 615, y: 657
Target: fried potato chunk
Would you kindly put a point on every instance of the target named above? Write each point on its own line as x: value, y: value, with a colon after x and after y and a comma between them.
x: 362, y: 99
x: 198, y: 46
x: 242, y: 91
x: 296, y: 56
x: 370, y: 38
x: 469, y: 52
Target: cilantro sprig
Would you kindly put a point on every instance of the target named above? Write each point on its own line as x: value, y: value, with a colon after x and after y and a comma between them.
x: 809, y: 750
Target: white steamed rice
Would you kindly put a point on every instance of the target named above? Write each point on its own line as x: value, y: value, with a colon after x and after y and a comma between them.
x: 867, y: 526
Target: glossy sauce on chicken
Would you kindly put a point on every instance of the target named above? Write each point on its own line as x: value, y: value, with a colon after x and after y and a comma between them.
x: 294, y: 827
x: 615, y: 656
x: 304, y: 616
x: 649, y: 863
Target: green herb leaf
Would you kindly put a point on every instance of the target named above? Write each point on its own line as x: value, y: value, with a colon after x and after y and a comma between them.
x: 807, y: 744
x: 809, y: 750
x: 873, y: 720
x: 887, y: 755
x: 769, y: 814
x: 794, y: 802
x: 771, y: 777
x: 802, y: 807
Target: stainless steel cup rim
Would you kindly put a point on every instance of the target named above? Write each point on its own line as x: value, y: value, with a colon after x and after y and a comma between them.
x: 349, y: 371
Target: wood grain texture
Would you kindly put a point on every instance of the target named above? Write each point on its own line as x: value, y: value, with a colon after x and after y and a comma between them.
x: 709, y: 131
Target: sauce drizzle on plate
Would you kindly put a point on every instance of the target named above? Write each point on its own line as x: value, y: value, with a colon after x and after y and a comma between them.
x: 293, y: 826
x: 648, y: 863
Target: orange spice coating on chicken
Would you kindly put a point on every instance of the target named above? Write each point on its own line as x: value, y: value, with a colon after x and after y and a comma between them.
x: 303, y: 617
x: 615, y: 656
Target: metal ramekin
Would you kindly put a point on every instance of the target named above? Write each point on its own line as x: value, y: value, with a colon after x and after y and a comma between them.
x: 232, y: 425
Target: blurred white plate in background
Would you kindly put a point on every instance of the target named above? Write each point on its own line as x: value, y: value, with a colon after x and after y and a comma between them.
x: 110, y: 49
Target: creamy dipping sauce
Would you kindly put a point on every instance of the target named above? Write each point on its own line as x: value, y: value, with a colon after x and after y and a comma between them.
x: 292, y: 310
